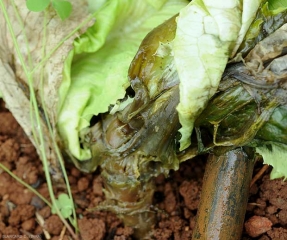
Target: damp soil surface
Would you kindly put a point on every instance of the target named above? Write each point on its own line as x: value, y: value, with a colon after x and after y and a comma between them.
x: 24, y: 215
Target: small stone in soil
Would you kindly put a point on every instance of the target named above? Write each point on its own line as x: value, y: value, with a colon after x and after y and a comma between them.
x: 75, y: 172
x: 98, y: 186
x: 92, y: 229
x: 37, y: 202
x: 29, y: 224
x: 256, y: 225
x: 53, y: 225
x: 83, y: 184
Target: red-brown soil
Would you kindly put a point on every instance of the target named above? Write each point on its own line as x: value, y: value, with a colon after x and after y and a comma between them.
x: 176, y: 198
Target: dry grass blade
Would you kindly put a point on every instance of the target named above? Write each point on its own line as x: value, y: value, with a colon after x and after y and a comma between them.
x: 259, y: 174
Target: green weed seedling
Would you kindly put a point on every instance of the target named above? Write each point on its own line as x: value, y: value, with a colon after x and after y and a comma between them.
x: 65, y: 205
x: 62, y: 8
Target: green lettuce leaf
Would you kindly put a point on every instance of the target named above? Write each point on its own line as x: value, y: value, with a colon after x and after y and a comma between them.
x: 95, y: 73
x: 277, y: 6
x: 275, y: 154
x: 208, y: 34
x: 95, y: 5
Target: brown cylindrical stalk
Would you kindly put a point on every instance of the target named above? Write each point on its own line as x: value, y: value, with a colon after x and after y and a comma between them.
x: 224, y: 196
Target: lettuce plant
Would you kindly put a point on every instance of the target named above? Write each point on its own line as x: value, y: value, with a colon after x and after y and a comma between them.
x: 165, y: 79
